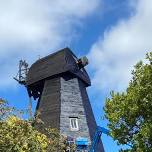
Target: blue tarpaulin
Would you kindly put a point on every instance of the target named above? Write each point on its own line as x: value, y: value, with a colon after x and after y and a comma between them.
x: 82, y: 141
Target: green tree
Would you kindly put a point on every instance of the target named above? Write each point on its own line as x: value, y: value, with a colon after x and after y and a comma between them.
x: 130, y: 113
x: 5, y: 109
x: 18, y: 135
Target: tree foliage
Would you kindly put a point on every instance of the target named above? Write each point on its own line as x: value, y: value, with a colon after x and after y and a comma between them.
x: 18, y: 135
x: 130, y: 112
x: 5, y: 109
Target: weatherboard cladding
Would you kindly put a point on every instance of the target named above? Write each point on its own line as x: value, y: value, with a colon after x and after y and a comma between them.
x: 65, y: 97
x: 72, y: 106
x: 54, y: 64
x: 49, y: 103
x: 89, y: 114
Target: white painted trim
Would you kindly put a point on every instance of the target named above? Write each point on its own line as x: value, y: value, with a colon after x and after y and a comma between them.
x: 75, y: 125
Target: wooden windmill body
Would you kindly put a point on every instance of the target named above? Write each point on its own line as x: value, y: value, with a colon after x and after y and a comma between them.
x: 59, y: 83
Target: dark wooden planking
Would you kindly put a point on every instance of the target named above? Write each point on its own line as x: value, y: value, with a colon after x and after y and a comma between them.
x: 54, y: 64
x: 89, y: 114
x: 72, y: 106
x: 49, y: 104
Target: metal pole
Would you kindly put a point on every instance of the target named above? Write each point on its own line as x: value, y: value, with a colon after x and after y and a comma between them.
x: 30, y: 108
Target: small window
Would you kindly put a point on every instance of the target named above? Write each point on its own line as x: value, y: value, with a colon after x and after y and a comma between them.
x: 74, y: 124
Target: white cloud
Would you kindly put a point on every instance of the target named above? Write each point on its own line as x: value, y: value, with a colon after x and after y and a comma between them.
x: 113, y: 56
x: 29, y: 28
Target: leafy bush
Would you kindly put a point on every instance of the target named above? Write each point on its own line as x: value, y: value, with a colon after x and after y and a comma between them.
x: 18, y: 135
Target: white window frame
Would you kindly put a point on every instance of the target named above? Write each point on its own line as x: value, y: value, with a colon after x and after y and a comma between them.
x: 74, y: 126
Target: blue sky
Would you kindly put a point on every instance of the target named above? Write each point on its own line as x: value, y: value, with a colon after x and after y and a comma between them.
x: 114, y: 34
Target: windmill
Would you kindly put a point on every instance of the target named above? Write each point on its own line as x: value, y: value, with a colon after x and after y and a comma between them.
x: 58, y: 82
